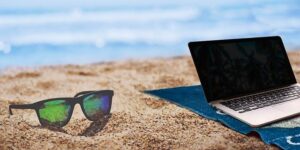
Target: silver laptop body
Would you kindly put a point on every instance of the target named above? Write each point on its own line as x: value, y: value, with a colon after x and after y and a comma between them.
x: 250, y: 79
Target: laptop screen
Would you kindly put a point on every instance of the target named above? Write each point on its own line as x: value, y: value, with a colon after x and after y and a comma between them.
x: 231, y: 68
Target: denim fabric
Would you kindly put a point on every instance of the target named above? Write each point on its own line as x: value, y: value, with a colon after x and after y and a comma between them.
x: 284, y: 134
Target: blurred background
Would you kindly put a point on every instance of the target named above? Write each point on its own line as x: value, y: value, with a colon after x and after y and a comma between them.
x: 34, y: 33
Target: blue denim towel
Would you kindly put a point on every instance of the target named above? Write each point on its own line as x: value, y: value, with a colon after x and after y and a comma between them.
x: 285, y: 134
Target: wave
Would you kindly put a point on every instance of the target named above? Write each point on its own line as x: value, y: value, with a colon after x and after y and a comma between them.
x: 116, y: 16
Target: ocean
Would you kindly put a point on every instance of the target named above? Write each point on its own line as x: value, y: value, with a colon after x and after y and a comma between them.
x: 34, y: 33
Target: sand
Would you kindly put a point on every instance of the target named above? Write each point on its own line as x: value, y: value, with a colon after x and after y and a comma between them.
x: 138, y: 121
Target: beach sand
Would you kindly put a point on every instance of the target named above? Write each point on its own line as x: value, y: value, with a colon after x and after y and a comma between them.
x: 138, y: 121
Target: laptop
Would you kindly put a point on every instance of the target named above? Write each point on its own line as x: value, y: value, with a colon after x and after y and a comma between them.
x: 250, y: 79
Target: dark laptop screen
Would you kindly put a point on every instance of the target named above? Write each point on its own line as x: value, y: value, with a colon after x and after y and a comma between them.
x: 230, y: 68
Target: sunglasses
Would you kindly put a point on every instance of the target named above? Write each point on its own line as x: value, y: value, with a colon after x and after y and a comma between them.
x: 57, y: 112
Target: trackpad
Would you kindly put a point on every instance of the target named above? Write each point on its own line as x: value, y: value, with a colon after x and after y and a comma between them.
x: 290, y: 107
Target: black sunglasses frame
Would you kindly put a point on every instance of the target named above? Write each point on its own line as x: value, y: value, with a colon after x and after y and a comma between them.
x: 71, y: 101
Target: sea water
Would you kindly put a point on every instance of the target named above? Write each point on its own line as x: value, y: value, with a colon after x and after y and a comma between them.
x: 34, y: 33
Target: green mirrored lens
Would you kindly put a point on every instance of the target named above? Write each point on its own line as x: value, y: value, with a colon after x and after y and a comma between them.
x: 96, y: 106
x: 53, y: 112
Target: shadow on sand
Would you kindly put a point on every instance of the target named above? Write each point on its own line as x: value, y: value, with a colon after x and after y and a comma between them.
x: 91, y: 130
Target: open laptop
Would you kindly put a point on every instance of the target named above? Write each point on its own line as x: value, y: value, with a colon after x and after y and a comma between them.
x: 250, y: 79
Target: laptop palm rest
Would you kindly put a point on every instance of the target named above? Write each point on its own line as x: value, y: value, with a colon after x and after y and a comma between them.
x: 265, y: 115
x: 290, y: 107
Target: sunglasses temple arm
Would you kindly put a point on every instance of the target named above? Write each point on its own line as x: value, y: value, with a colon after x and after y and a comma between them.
x: 21, y: 106
x: 83, y: 92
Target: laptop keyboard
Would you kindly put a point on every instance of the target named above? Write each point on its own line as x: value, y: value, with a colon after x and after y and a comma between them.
x: 248, y: 103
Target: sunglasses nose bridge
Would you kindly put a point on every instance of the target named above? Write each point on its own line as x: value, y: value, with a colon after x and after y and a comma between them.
x: 78, y: 111
x: 77, y: 100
